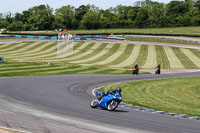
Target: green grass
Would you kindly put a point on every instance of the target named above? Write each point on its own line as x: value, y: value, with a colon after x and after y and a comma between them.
x: 143, y: 56
x: 96, y: 51
x: 5, y: 38
x: 175, y: 30
x: 10, y: 69
x: 177, y: 95
x: 184, y: 59
x: 160, y: 40
x: 112, y: 50
x: 162, y: 57
x: 123, y: 56
x: 92, y: 56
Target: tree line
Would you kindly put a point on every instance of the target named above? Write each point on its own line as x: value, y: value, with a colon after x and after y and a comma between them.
x: 142, y: 14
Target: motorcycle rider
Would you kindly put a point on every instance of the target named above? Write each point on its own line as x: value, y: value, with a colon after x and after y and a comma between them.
x: 119, y: 90
x: 135, y: 69
x: 158, y: 69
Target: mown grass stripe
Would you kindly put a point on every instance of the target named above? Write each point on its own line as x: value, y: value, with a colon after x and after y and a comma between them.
x: 151, y: 61
x: 51, y: 55
x: 33, y: 47
x: 41, y: 51
x: 48, y: 49
x: 131, y: 59
x: 119, y: 56
x: 183, y: 58
x: 28, y: 51
x: 173, y: 60
x: 6, y: 46
x: 100, y: 54
x: 110, y: 52
x: 113, y: 56
x: 142, y: 57
x: 76, y: 53
x: 196, y: 52
x: 51, y: 52
x: 16, y: 47
x: 192, y: 57
x: 162, y: 57
x: 21, y: 48
x: 84, y: 47
x: 90, y: 52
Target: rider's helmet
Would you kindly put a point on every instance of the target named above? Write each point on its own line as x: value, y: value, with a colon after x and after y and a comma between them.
x: 118, y: 89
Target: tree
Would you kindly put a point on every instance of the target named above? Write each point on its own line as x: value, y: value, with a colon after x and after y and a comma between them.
x: 157, y: 15
x: 64, y: 17
x: 79, y: 13
x: 91, y: 20
x: 142, y: 20
x: 40, y: 17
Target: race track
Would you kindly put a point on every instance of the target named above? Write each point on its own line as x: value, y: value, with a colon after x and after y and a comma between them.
x: 61, y: 104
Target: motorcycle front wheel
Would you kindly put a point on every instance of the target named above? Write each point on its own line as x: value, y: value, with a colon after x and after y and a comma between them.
x: 94, y: 103
x: 112, y: 105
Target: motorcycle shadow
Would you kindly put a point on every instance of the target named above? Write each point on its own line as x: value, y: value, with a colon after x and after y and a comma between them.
x: 117, y: 110
x: 121, y: 111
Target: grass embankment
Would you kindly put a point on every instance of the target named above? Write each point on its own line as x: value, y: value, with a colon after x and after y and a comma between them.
x: 160, y: 40
x: 170, y: 30
x: 177, y: 95
x: 103, y: 55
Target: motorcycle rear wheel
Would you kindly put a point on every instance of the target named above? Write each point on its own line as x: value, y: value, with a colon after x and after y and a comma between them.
x: 94, y: 103
x: 112, y: 105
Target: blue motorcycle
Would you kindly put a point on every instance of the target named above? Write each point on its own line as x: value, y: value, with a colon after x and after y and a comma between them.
x: 109, y: 102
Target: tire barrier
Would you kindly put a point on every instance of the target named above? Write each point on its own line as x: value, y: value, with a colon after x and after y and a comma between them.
x: 78, y: 37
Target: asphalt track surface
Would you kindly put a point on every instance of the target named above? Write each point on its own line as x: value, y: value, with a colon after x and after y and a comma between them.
x: 62, y: 104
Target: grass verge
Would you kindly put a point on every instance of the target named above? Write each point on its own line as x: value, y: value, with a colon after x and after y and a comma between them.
x: 177, y: 95
x: 169, y: 30
x: 160, y: 40
x: 11, y: 69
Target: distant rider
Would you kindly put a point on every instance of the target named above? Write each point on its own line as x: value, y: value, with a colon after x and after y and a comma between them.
x: 158, y: 69
x: 135, y: 69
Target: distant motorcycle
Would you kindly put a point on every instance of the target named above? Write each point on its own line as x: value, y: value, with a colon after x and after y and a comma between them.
x: 157, y: 71
x: 135, y: 71
x: 109, y: 102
